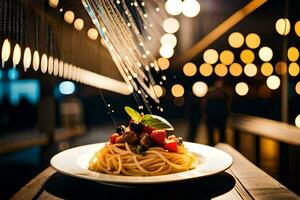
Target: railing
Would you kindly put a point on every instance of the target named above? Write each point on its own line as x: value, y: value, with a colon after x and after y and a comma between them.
x: 281, y: 132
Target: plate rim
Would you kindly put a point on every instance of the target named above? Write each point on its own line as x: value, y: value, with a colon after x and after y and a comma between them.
x: 143, y: 181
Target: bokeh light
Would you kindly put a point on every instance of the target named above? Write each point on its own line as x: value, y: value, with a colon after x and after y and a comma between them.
x: 235, y: 69
x: 190, y: 8
x: 226, y: 57
x: 210, y: 56
x: 252, y: 40
x: 236, y: 40
x: 78, y: 24
x: 163, y: 63
x: 221, y: 70
x: 158, y: 90
x: 173, y: 7
x: 293, y: 54
x: 250, y: 70
x: 44, y: 63
x: 293, y: 69
x: 5, y: 52
x: 297, y: 28
x: 166, y: 51
x: 297, y: 88
x: 241, y: 88
x: 69, y: 16
x: 36, y: 60
x: 27, y: 58
x: 189, y: 69
x: 247, y: 56
x: 92, y: 33
x: 283, y: 26
x: 177, y: 90
x: 171, y: 25
x: 273, y: 82
x: 297, y: 121
x: 281, y: 67
x: 16, y: 55
x: 266, y: 69
x: 206, y: 69
x: 265, y: 54
x: 168, y: 39
x: 200, y: 89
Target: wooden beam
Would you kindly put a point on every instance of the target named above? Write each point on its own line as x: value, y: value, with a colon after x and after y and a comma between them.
x: 219, y: 31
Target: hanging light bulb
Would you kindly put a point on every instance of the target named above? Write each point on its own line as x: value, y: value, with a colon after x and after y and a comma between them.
x: 44, y: 63
x: 173, y: 7
x: 166, y: 51
x: 16, y: 55
x: 27, y: 58
x: 92, y: 33
x: 78, y: 24
x: 190, y: 8
x: 69, y: 16
x: 60, y: 68
x: 283, y: 26
x: 55, y: 67
x: 5, y: 53
x: 36, y: 60
x: 50, y: 65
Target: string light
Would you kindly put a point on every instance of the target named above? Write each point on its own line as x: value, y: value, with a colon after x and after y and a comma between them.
x: 79, y: 24
x: 44, y: 63
x: 206, y: 69
x: 293, y: 54
x: 177, y: 90
x: 56, y: 67
x: 235, y: 69
x: 60, y: 68
x: 189, y: 69
x: 273, y: 82
x: 226, y: 57
x: 69, y: 16
x: 293, y: 69
x: 210, y: 56
x: 221, y: 70
x: 265, y: 54
x: 171, y: 25
x: 252, y: 40
x: 266, y: 69
x: 283, y: 26
x: 158, y: 90
x: 16, y: 55
x: 200, y: 89
x: 92, y: 33
x: 36, y: 60
x: 241, y: 88
x: 50, y: 65
x: 27, y: 58
x: 53, y: 3
x: 5, y: 52
x: 247, y: 56
x: 190, y: 8
x: 236, y: 40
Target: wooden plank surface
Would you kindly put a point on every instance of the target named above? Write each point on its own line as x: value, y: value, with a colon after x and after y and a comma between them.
x: 263, y: 127
x: 31, y: 189
x: 256, y: 183
x: 251, y: 182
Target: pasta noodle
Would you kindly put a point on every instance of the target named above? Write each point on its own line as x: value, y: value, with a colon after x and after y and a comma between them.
x: 119, y: 159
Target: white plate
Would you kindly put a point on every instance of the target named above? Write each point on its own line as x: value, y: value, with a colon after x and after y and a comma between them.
x: 74, y: 162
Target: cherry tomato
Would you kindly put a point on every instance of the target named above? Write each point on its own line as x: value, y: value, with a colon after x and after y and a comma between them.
x: 113, y: 138
x: 171, y: 146
x: 158, y: 136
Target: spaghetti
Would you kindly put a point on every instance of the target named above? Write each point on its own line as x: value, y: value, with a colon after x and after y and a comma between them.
x: 119, y: 159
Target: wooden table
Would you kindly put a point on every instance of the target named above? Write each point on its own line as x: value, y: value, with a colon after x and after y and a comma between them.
x: 242, y: 180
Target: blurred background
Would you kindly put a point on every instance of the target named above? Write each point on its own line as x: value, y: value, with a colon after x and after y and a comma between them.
x: 233, y: 66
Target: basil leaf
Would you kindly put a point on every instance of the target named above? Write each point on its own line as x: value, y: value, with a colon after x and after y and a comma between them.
x: 157, y: 122
x: 133, y: 114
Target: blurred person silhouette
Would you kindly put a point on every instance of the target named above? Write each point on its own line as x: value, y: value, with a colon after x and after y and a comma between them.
x: 216, y: 109
x: 194, y: 110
